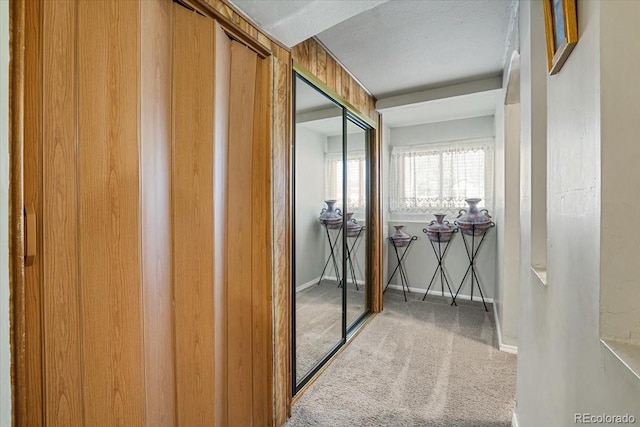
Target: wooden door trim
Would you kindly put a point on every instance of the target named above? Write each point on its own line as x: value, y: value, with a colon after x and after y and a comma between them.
x: 229, y: 26
x: 16, y: 201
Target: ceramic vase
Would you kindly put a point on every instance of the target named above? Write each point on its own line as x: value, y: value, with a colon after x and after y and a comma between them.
x: 473, y: 220
x: 400, y: 238
x: 330, y: 216
x: 439, y: 230
x: 353, y: 226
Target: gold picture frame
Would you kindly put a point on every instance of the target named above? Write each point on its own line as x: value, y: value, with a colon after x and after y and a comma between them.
x: 561, y: 28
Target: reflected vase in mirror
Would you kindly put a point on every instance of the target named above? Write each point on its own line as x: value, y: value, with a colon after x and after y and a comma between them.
x: 474, y: 221
x: 353, y: 226
x: 439, y: 230
x: 400, y: 238
x: 331, y: 217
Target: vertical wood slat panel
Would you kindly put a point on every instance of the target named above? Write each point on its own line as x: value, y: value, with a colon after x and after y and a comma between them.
x: 221, y: 135
x: 62, y: 359
x: 239, y: 229
x: 32, y: 196
x: 331, y: 71
x: 282, y: 232
x: 321, y: 64
x: 376, y: 217
x: 261, y: 247
x: 108, y: 185
x: 338, y: 79
x: 156, y: 39
x: 192, y: 190
x: 312, y: 56
x: 346, y: 85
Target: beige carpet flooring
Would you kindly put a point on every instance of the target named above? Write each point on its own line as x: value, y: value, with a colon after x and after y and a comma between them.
x: 416, y: 364
x: 319, y: 320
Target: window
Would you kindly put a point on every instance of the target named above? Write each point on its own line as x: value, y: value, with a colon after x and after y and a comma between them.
x: 438, y: 177
x: 356, y: 180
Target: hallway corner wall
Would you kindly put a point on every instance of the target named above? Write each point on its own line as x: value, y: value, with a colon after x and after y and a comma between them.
x: 563, y: 368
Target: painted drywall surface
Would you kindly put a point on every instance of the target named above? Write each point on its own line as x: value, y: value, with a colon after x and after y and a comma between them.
x: 420, y: 261
x: 310, y: 195
x: 355, y: 142
x: 476, y: 127
x: 499, y: 198
x: 384, y: 167
x: 5, y: 353
x: 563, y: 368
x: 620, y: 127
x: 507, y: 218
x: 511, y: 226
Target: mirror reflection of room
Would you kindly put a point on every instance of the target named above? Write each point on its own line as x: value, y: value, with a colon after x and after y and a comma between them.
x: 318, y: 246
x: 356, y: 202
x: 330, y: 211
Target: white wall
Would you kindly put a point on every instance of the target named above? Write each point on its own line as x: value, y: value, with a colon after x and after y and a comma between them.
x: 5, y: 354
x: 310, y: 195
x: 384, y: 166
x: 507, y: 218
x: 420, y: 261
x: 476, y: 127
x: 620, y: 127
x: 563, y: 368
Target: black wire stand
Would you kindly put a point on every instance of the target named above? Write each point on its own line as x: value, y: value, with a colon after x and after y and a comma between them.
x: 440, y: 254
x: 403, y: 274
x: 332, y: 255
x: 472, y: 253
x: 350, y: 249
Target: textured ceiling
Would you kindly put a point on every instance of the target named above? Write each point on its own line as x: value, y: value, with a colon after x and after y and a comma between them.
x: 402, y: 46
x: 396, y: 47
x: 294, y: 21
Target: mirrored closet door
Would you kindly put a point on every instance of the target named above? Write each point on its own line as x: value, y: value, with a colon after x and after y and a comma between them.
x: 330, y: 215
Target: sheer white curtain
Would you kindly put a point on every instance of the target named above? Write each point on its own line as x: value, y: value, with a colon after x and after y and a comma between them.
x: 356, y: 180
x: 438, y: 177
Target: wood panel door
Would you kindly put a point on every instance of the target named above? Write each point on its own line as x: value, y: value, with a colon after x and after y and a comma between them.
x: 98, y: 336
x: 221, y: 210
x: 147, y: 158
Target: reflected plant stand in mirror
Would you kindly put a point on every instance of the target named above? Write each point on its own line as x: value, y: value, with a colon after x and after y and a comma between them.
x: 333, y: 243
x: 440, y: 254
x: 404, y: 280
x: 476, y: 236
x: 350, y: 249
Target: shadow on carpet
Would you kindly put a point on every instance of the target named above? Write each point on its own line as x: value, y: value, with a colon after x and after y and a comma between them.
x: 416, y: 364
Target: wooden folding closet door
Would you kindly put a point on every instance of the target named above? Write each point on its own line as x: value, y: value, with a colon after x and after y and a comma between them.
x: 193, y: 200
x: 221, y: 227
x: 98, y: 337
x: 250, y: 354
x: 147, y: 158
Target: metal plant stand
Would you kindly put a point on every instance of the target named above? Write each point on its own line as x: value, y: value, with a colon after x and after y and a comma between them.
x: 440, y: 254
x: 350, y: 249
x: 332, y: 255
x: 472, y: 253
x: 403, y: 274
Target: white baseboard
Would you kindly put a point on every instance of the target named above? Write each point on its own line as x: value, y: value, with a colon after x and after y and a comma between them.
x: 307, y: 285
x: 503, y: 347
x: 514, y: 420
x: 349, y: 281
x: 435, y: 292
